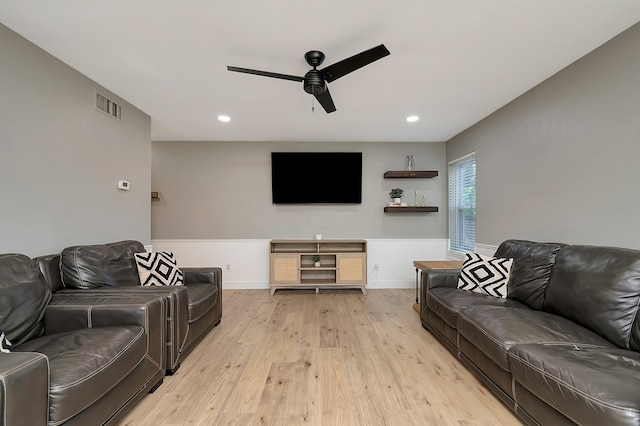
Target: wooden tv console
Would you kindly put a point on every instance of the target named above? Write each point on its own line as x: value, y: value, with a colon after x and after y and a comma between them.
x: 343, y: 264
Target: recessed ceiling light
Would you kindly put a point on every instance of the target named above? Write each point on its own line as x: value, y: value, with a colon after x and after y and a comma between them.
x: 224, y: 118
x: 413, y: 118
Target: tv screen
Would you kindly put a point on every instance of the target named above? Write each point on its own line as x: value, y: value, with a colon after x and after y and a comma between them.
x: 316, y: 177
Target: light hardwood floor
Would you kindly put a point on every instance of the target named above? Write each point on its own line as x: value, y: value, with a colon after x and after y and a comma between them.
x: 334, y: 358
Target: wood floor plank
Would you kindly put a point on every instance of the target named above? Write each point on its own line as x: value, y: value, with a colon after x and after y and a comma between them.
x: 333, y: 388
x: 334, y: 358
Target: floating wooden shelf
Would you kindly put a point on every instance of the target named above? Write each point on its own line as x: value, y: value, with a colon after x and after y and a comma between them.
x: 411, y: 209
x: 415, y: 174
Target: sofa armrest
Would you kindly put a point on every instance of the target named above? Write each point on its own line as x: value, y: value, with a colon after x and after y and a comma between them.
x: 24, y: 390
x: 432, y: 278
x: 440, y: 278
x: 67, y: 312
x: 211, y: 275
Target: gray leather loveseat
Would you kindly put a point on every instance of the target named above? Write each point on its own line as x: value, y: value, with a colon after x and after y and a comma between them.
x: 74, y: 361
x: 562, y: 347
x: 110, y: 270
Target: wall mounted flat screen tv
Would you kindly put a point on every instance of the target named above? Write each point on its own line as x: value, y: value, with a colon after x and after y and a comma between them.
x: 316, y: 177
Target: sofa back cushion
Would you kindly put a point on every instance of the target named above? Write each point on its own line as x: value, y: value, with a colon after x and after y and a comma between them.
x: 23, y: 298
x: 530, y: 271
x: 50, y: 268
x: 103, y: 265
x: 598, y: 288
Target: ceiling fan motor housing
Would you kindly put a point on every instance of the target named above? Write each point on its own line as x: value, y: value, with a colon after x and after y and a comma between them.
x: 314, y: 83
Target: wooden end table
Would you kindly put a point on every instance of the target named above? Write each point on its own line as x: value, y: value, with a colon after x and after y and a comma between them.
x: 431, y: 264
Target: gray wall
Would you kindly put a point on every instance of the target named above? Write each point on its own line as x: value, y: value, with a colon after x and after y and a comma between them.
x: 562, y: 162
x: 220, y: 190
x: 60, y: 159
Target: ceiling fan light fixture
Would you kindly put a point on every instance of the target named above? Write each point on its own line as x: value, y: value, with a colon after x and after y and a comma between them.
x: 224, y: 118
x: 412, y: 118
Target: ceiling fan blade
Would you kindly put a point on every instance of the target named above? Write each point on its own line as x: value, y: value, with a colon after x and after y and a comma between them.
x: 344, y: 67
x: 325, y: 100
x: 266, y: 74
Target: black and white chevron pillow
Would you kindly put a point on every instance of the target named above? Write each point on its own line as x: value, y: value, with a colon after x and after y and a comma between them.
x: 5, y: 344
x: 485, y: 275
x: 158, y: 268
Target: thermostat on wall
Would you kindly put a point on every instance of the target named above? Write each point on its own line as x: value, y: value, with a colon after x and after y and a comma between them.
x: 124, y: 185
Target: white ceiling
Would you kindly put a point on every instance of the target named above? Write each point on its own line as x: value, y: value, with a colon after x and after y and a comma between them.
x: 452, y: 62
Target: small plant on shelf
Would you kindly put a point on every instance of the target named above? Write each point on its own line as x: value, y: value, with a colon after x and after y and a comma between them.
x: 396, y: 194
x: 316, y: 260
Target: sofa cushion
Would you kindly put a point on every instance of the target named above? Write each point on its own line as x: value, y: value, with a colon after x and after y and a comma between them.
x: 158, y: 268
x: 495, y: 329
x: 485, y: 275
x: 445, y: 302
x: 598, y: 288
x: 103, y: 265
x: 531, y: 269
x: 571, y: 378
x: 50, y: 267
x: 24, y: 297
x: 85, y: 364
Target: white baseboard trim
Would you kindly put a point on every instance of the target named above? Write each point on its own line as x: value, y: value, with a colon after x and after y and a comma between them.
x: 391, y: 284
x: 256, y: 285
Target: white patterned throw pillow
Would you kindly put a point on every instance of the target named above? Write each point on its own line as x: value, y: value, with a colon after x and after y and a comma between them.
x: 485, y: 275
x: 5, y: 344
x: 158, y: 268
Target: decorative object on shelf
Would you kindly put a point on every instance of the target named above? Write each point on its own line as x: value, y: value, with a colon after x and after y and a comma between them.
x: 410, y: 162
x: 316, y: 260
x: 415, y: 203
x: 395, y: 194
x: 318, y: 237
x: 424, y: 201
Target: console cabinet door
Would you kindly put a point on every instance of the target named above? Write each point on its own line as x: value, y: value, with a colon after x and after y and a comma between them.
x: 285, y: 268
x: 352, y: 268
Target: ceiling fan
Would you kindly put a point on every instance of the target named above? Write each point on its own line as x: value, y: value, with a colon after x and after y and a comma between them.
x: 315, y: 80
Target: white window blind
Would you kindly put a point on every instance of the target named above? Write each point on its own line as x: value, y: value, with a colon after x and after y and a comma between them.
x: 462, y: 204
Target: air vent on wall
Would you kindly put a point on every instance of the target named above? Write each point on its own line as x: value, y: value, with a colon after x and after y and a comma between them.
x: 109, y: 107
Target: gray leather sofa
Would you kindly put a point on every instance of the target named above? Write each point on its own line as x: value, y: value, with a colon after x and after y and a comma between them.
x: 74, y: 361
x: 110, y: 270
x: 562, y: 348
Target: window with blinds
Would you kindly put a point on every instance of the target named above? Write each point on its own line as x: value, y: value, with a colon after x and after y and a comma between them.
x: 462, y: 204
